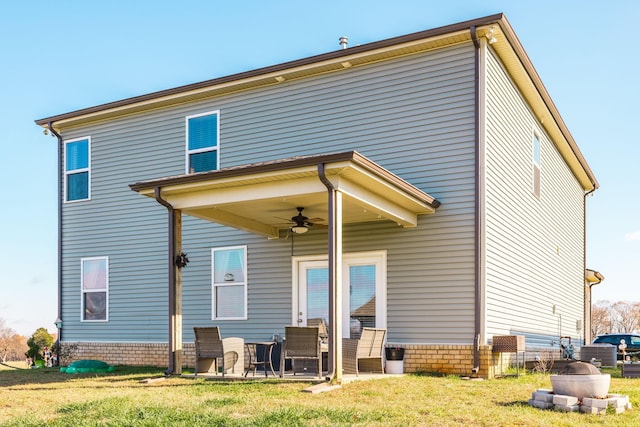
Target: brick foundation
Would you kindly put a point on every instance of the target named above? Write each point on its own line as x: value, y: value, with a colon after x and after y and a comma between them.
x: 131, y: 354
x: 445, y: 359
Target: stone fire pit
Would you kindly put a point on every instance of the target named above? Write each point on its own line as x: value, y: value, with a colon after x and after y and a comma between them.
x: 580, y: 387
x: 581, y: 380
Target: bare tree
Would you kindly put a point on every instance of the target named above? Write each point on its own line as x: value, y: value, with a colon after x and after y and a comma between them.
x: 601, y: 320
x: 5, y: 335
x: 636, y: 313
x: 625, y: 320
x: 615, y: 318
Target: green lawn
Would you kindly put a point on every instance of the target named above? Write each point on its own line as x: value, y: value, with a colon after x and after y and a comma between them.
x: 40, y: 397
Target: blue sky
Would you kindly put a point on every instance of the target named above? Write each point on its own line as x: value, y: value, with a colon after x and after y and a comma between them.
x: 63, y: 56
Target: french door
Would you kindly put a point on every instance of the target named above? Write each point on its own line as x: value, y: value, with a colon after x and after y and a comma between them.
x: 364, y: 291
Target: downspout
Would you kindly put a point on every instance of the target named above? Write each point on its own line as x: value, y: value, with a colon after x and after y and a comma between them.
x: 60, y: 195
x: 478, y: 246
x: 172, y: 279
x: 331, y: 255
x: 584, y: 259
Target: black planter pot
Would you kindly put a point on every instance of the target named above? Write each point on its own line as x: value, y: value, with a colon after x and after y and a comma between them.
x: 394, y: 353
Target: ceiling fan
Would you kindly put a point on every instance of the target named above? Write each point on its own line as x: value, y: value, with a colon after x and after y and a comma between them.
x: 301, y: 223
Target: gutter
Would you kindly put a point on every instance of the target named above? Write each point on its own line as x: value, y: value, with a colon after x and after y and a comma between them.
x: 172, y: 279
x: 594, y: 277
x: 60, y: 195
x: 599, y: 277
x: 478, y: 247
x: 268, y: 74
x: 584, y: 227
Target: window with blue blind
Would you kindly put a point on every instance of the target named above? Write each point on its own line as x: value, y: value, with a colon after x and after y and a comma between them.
x: 77, y: 154
x: 202, y: 142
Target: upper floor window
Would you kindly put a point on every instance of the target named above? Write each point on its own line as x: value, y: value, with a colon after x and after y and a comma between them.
x: 202, y: 142
x: 95, y: 288
x: 536, y: 165
x: 229, y: 282
x: 77, y: 169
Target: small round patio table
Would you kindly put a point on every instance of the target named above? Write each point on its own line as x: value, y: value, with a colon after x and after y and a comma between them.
x: 254, y: 359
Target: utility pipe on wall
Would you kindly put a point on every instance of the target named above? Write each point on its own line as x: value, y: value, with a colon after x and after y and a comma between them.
x: 598, y: 277
x: 60, y: 196
x: 478, y: 244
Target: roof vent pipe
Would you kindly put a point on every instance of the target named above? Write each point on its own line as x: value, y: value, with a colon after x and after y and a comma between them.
x: 344, y: 40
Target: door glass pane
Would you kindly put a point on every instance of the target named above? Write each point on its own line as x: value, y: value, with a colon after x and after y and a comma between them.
x: 362, y: 298
x: 318, y: 294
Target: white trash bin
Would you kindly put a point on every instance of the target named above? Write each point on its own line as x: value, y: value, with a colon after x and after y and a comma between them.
x: 394, y: 360
x: 395, y: 367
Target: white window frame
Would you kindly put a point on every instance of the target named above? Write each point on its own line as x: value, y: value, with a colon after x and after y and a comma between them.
x: 83, y: 291
x: 205, y: 149
x: 74, y: 171
x: 233, y: 282
x: 536, y: 170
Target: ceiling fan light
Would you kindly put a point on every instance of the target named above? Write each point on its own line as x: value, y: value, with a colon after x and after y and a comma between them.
x: 299, y: 229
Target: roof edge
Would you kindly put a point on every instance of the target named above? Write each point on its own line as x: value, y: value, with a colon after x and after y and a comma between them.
x: 546, y: 97
x: 157, y: 98
x: 290, y: 163
x: 275, y: 68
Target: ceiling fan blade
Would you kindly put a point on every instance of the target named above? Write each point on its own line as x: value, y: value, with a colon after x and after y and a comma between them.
x: 316, y: 225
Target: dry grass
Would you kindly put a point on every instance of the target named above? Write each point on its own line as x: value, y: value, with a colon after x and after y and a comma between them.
x: 47, y: 397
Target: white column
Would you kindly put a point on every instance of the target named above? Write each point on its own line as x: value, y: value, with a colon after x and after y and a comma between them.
x: 337, y: 272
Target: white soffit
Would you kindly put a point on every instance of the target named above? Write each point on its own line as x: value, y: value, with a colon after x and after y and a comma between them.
x: 263, y: 201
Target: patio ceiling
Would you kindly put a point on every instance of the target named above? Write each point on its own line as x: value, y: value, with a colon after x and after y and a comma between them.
x: 262, y: 197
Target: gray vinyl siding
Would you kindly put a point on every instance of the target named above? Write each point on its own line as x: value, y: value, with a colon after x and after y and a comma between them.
x: 413, y: 115
x: 534, y: 247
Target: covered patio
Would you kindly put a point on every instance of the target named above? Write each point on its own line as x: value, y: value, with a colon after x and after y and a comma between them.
x: 325, y: 190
